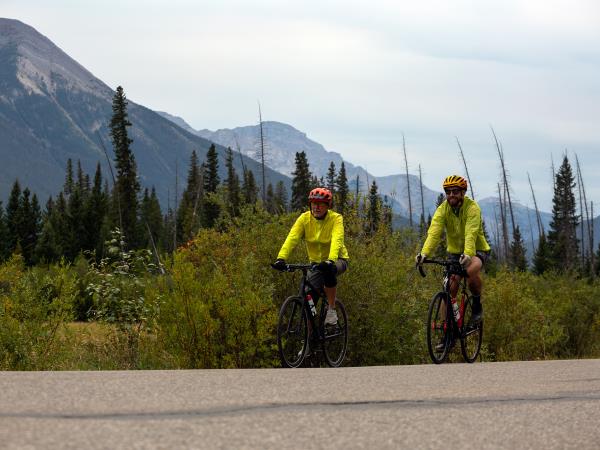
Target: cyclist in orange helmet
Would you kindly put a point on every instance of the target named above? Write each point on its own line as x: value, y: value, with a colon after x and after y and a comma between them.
x: 323, y: 233
x: 460, y: 217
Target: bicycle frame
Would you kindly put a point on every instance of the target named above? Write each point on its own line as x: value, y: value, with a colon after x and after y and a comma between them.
x: 452, y: 269
x: 304, y: 290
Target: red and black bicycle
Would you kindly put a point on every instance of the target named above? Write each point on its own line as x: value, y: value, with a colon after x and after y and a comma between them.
x: 449, y: 321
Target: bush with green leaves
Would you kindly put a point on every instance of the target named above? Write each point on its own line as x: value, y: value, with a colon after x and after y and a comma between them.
x: 117, y: 288
x: 217, y: 310
x: 34, y: 305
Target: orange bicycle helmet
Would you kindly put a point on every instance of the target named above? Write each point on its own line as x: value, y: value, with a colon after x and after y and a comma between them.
x: 455, y: 181
x: 320, y: 195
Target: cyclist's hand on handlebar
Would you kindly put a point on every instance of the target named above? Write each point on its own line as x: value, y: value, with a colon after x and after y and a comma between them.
x: 327, y: 267
x: 420, y: 258
x: 279, y: 264
x: 464, y: 260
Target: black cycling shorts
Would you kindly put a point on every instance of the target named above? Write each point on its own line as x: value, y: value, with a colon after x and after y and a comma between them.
x: 483, y: 256
x: 318, y: 279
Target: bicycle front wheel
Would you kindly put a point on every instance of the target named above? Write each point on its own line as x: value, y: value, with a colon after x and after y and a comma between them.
x: 471, y: 335
x: 335, y: 342
x: 292, y: 332
x: 438, y: 328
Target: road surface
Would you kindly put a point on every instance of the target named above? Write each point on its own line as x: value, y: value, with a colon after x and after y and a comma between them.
x: 542, y: 405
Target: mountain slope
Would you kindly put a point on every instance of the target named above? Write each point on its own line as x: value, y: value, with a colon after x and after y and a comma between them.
x: 52, y: 109
x: 282, y: 141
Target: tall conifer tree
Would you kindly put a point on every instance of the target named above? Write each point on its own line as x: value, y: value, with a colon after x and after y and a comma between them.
x: 374, y: 211
x: 232, y: 184
x: 13, y: 216
x: 331, y: 178
x: 301, y: 183
x: 211, y: 208
x: 518, y: 261
x: 562, y: 239
x: 343, y: 190
x: 281, y: 198
x: 125, y: 198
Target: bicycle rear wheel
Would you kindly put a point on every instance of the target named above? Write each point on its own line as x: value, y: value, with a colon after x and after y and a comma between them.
x: 292, y: 332
x: 335, y: 342
x: 470, y: 335
x: 438, y: 328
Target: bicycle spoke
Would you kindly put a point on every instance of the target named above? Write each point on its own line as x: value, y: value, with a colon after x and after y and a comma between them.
x: 292, y: 332
x: 336, y: 343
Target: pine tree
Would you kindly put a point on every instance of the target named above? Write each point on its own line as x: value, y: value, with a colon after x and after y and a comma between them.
x: 78, y: 232
x: 46, y: 249
x: 211, y: 208
x: 152, y: 219
x: 95, y: 210
x: 331, y: 177
x: 374, y: 211
x: 191, y: 205
x: 233, y: 186
x: 281, y: 198
x: 250, y: 190
x: 125, y: 199
x: 211, y: 172
x: 69, y: 183
x: 270, y: 200
x: 541, y: 260
x: 343, y: 190
x: 30, y: 225
x: 518, y: 261
x: 4, y: 238
x: 13, y: 216
x: 301, y: 183
x: 562, y: 239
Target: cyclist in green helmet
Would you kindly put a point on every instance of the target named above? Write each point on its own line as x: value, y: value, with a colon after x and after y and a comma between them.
x: 460, y: 217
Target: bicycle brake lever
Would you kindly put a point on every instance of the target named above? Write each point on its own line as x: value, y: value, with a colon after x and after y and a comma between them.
x: 421, y: 271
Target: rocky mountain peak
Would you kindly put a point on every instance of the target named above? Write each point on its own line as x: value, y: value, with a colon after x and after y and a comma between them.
x: 41, y: 66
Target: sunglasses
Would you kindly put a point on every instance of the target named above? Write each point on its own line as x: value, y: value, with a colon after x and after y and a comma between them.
x: 453, y: 191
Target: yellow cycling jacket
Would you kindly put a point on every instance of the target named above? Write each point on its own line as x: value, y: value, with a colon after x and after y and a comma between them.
x: 464, y: 230
x: 324, y: 238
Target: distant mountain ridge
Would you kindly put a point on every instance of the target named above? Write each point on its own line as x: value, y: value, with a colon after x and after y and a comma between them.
x: 283, y: 141
x: 53, y: 109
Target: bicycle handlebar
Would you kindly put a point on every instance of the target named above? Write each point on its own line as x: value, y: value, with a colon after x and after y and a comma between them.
x: 448, y: 264
x: 294, y: 267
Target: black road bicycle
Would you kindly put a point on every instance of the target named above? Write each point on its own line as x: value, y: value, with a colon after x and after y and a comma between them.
x: 445, y: 323
x: 301, y: 328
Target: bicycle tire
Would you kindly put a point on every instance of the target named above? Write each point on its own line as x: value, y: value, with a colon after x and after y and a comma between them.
x: 335, y: 342
x: 470, y: 337
x: 438, y: 328
x: 292, y: 332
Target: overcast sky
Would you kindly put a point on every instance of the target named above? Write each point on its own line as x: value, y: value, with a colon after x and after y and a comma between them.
x: 354, y: 76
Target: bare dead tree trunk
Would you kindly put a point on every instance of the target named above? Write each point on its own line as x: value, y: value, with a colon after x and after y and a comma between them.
x: 537, y: 211
x: 592, y: 240
x: 503, y: 222
x: 176, y: 206
x: 497, y: 234
x: 410, y: 221
x: 581, y: 211
x: 553, y: 173
x: 462, y: 155
x: 262, y: 156
x: 531, y: 231
x: 422, y: 198
x: 501, y: 155
x: 587, y: 212
x: 239, y: 150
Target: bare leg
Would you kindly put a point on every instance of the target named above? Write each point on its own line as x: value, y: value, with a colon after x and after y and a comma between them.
x: 474, y: 280
x: 330, y: 292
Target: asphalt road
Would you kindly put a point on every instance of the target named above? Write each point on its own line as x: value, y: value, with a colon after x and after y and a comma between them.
x: 542, y: 405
